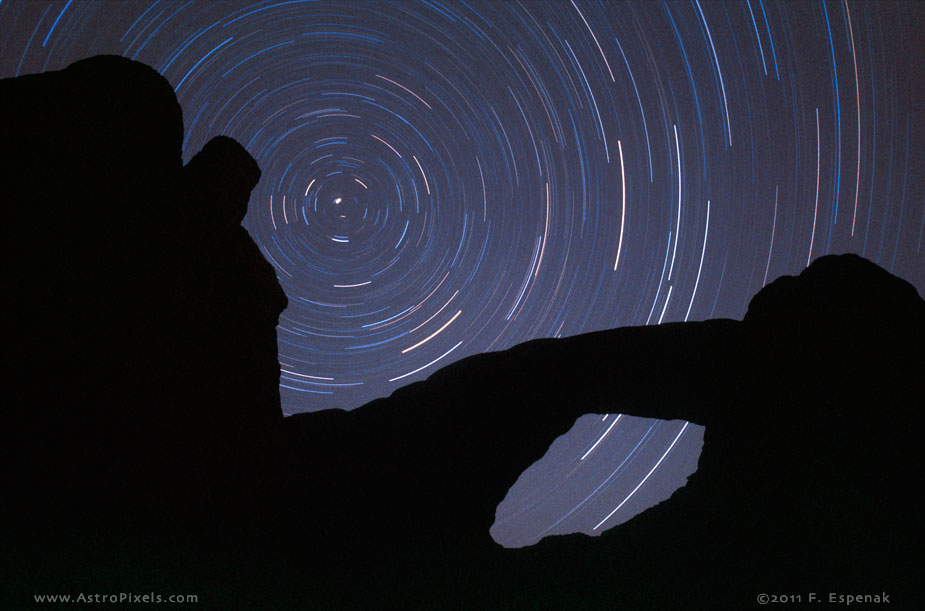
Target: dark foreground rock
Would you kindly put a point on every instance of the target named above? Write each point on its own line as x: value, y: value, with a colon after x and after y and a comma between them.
x: 146, y: 449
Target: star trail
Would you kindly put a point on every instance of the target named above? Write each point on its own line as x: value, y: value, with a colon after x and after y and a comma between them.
x: 442, y: 179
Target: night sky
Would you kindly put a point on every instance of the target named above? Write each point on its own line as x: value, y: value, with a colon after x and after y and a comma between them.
x: 442, y: 179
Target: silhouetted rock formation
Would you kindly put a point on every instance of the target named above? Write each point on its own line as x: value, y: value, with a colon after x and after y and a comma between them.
x: 148, y: 452
x: 811, y: 408
x: 142, y: 340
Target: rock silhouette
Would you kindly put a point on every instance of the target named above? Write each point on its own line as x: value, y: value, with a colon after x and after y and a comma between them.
x: 146, y: 449
x: 142, y: 343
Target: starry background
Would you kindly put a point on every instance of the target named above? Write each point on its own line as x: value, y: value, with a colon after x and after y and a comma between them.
x: 442, y: 179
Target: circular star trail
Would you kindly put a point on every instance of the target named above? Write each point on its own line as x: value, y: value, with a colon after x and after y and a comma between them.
x: 442, y: 179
